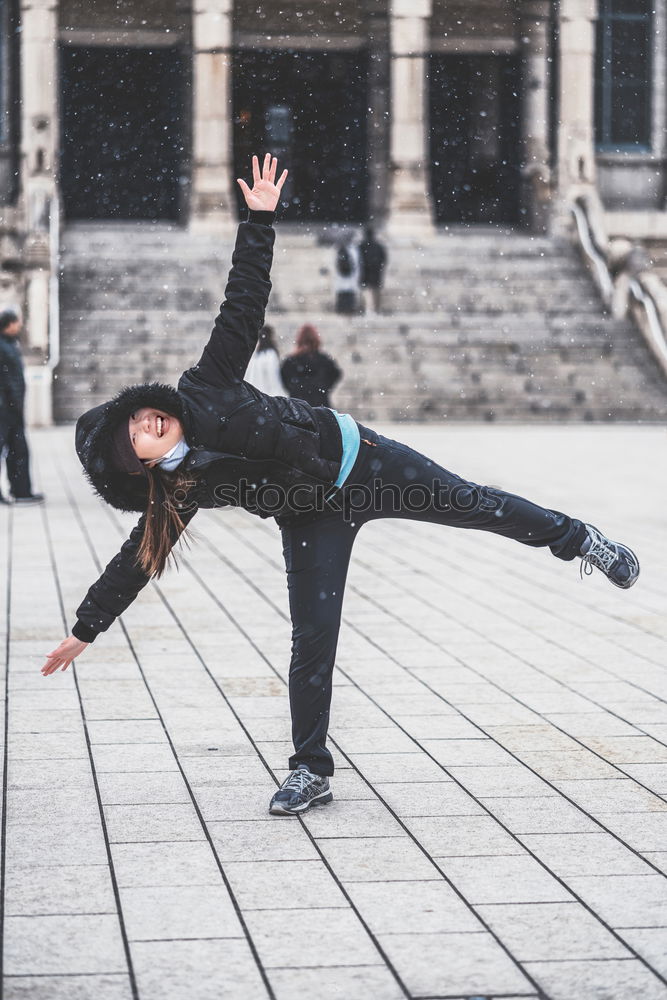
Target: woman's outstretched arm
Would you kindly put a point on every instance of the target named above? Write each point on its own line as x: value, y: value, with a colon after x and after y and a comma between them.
x: 241, y: 316
x: 118, y: 586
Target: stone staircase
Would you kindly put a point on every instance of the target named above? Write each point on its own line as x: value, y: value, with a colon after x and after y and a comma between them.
x: 479, y: 325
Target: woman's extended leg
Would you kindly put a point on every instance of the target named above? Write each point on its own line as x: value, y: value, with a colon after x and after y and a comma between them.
x: 390, y: 479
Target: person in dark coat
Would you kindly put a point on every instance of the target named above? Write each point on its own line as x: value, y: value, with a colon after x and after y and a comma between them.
x: 308, y: 373
x: 12, y: 399
x: 217, y: 441
x: 372, y: 262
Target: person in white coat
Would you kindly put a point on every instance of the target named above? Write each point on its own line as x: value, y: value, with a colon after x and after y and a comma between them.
x: 346, y: 279
x: 263, y: 371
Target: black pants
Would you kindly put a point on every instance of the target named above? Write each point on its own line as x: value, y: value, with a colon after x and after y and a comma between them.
x: 12, y: 437
x: 388, y: 479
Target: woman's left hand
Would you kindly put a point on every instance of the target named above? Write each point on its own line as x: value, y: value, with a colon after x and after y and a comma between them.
x: 265, y: 191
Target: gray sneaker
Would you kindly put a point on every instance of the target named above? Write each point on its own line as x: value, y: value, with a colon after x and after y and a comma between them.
x: 300, y: 790
x: 618, y: 563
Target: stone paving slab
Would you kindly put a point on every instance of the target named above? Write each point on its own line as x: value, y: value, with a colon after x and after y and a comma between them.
x: 552, y: 932
x: 499, y: 727
x: 46, y: 945
x: 84, y: 987
x: 199, y: 970
x: 58, y: 890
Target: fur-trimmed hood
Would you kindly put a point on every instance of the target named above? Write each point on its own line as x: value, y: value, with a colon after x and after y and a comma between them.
x: 94, y: 439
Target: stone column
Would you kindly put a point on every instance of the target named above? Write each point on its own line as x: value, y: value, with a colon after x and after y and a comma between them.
x: 39, y: 143
x: 378, y: 116
x: 410, y: 203
x: 212, y: 202
x: 575, y: 134
x: 39, y: 131
x: 535, y: 169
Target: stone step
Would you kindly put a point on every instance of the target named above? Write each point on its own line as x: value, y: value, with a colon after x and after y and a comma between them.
x: 460, y: 261
x: 452, y: 328
x: 303, y: 233
x: 309, y: 272
x: 214, y: 279
x: 317, y: 309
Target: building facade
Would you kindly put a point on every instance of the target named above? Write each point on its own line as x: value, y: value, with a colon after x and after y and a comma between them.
x: 411, y: 114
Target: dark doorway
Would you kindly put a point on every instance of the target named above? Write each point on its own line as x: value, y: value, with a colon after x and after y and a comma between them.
x: 475, y: 138
x: 122, y: 141
x: 309, y: 109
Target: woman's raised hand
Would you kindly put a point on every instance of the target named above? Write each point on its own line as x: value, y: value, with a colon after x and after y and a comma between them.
x: 265, y: 190
x: 62, y: 656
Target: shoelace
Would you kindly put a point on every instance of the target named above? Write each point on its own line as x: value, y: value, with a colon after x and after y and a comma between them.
x: 601, y: 555
x: 298, y: 779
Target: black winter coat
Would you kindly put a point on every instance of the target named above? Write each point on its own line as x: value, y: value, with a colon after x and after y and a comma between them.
x: 12, y: 381
x: 372, y: 257
x: 271, y: 455
x: 310, y: 376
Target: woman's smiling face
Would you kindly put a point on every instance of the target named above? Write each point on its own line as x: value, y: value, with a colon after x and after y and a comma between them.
x: 153, y: 433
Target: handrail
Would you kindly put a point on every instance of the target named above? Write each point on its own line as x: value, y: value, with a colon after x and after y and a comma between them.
x: 656, y: 332
x: 652, y: 321
x: 594, y: 253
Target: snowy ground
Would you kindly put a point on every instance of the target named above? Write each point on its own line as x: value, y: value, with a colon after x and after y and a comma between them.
x: 499, y: 827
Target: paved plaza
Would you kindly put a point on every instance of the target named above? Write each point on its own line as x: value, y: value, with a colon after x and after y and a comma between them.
x: 499, y: 726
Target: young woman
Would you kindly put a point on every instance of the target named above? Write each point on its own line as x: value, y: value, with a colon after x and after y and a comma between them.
x: 216, y: 441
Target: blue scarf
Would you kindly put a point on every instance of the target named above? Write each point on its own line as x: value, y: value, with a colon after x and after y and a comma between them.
x: 175, y: 456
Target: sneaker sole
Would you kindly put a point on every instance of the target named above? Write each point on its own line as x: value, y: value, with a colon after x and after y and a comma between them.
x: 317, y: 800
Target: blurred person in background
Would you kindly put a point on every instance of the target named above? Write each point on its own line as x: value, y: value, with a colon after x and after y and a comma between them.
x: 373, y: 260
x: 346, y: 280
x: 12, y: 398
x: 264, y: 367
x: 309, y: 373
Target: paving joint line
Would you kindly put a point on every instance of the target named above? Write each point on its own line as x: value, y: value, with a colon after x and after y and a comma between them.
x: 102, y: 819
x: 5, y: 762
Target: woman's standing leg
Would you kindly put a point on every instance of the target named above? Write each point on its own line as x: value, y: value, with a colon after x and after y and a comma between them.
x: 317, y: 557
x: 18, y: 458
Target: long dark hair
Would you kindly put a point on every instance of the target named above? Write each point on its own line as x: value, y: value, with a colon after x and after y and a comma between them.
x: 163, y: 527
x: 266, y: 340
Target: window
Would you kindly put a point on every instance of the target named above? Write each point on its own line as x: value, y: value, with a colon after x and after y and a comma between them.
x: 623, y: 77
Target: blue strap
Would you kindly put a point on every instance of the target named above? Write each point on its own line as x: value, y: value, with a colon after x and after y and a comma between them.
x: 351, y: 441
